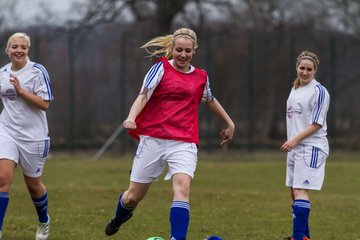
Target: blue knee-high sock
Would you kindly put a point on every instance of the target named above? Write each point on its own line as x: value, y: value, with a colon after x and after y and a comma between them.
x: 122, y: 212
x: 4, y: 200
x: 41, y: 205
x: 301, y: 212
x: 307, y: 230
x: 179, y: 219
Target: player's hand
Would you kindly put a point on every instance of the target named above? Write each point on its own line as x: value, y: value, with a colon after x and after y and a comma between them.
x: 226, y: 135
x: 129, y: 124
x: 15, y: 81
x: 288, y: 146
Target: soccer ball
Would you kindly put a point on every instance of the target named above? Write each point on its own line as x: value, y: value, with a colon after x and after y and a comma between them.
x: 155, y: 238
x: 213, y: 238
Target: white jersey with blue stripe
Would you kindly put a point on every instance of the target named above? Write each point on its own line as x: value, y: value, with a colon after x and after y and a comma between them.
x: 155, y: 74
x: 20, y: 119
x: 308, y: 105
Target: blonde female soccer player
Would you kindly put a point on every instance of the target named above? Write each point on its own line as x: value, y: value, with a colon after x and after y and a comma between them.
x: 306, y: 145
x: 164, y: 117
x: 24, y: 137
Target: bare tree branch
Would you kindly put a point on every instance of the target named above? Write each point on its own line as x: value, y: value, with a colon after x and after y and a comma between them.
x: 97, y: 12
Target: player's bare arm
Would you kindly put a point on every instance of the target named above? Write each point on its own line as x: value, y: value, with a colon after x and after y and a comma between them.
x: 291, y: 143
x: 31, y: 98
x: 227, y: 133
x: 135, y: 109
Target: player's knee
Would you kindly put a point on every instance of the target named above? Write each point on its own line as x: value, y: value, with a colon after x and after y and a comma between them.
x: 5, y: 181
x: 181, y: 188
x: 131, y: 199
x: 182, y: 191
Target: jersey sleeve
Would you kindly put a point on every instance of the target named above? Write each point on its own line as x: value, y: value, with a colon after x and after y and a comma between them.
x: 1, y: 80
x: 152, y: 78
x: 42, y: 86
x: 320, y: 105
x: 207, y: 96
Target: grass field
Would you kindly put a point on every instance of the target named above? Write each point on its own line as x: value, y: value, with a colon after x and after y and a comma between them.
x: 236, y: 196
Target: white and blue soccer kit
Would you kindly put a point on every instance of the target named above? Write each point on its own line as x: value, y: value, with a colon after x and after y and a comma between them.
x: 24, y: 134
x: 307, y: 105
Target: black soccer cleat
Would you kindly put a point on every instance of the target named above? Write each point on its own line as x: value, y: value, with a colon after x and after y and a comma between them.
x: 113, y: 225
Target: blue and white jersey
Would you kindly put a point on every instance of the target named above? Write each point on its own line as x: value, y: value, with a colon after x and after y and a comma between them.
x: 155, y: 74
x: 308, y: 105
x: 22, y: 120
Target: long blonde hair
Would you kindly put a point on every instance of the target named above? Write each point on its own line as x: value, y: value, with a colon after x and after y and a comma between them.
x: 163, y: 44
x: 309, y: 56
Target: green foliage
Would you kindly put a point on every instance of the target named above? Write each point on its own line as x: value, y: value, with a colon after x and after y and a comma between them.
x: 236, y: 196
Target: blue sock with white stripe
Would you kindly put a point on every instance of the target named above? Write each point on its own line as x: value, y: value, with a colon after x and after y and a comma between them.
x: 122, y: 212
x: 4, y: 200
x: 179, y: 219
x: 41, y: 205
x: 301, y: 212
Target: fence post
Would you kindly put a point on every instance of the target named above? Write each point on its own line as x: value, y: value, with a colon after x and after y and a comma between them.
x: 250, y: 92
x: 292, y: 57
x: 122, y: 74
x: 36, y: 50
x: 333, y: 90
x: 71, y: 91
x: 208, y: 64
x: 122, y: 69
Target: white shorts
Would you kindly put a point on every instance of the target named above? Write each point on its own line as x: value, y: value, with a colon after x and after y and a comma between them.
x: 154, y: 154
x: 30, y: 156
x: 305, y: 168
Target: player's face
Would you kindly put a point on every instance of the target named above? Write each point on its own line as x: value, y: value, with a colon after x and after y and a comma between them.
x: 305, y: 71
x: 18, y: 50
x: 183, y: 51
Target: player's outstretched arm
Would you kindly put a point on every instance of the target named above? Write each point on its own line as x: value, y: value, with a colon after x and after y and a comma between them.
x: 227, y: 133
x: 135, y: 109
